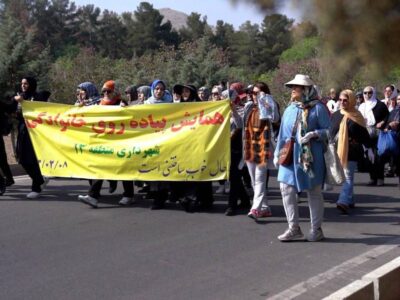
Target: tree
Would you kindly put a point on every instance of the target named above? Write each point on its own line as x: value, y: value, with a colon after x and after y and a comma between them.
x: 111, y: 36
x: 275, y: 38
x: 50, y: 20
x: 245, y: 47
x: 149, y: 32
x: 195, y: 28
x: 20, y: 55
x: 223, y: 34
x: 304, y: 30
x: 85, y: 26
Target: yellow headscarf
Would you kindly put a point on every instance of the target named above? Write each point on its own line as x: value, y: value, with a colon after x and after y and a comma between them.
x: 349, y: 113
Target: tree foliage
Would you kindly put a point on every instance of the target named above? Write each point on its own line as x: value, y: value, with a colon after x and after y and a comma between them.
x: 62, y: 45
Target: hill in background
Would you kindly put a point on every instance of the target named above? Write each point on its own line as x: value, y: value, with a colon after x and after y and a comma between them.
x: 177, y: 18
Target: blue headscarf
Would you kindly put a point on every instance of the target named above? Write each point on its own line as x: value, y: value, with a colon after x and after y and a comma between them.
x: 90, y: 89
x: 92, y: 94
x: 166, y: 98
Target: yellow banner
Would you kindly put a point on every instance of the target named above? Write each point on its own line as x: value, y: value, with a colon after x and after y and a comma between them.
x: 171, y: 142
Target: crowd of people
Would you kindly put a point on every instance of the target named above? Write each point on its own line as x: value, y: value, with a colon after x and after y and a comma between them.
x: 262, y: 139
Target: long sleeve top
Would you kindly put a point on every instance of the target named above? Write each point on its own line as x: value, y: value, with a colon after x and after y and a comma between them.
x: 358, y: 136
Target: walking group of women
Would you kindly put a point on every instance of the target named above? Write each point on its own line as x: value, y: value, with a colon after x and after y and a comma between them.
x: 260, y: 140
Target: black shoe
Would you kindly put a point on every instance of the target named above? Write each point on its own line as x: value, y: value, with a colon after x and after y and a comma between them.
x: 244, y: 205
x: 157, y: 204
x: 9, y: 181
x: 230, y: 211
x: 2, y: 186
x: 389, y: 174
x: 145, y: 189
x: 344, y: 209
x: 188, y: 205
x: 205, y: 205
x: 113, y: 186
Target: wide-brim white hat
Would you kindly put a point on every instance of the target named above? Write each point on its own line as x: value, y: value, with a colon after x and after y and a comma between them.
x: 300, y: 79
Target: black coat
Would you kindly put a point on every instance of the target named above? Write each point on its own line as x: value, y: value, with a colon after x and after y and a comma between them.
x: 24, y: 150
x: 358, y: 136
x: 6, y: 108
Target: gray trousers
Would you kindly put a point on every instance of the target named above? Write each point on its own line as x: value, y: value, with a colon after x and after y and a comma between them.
x: 315, y: 203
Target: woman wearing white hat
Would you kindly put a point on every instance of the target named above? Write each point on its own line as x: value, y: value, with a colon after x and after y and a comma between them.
x: 307, y: 121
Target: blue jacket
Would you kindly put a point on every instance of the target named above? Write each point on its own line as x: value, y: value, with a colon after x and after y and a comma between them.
x: 318, y: 120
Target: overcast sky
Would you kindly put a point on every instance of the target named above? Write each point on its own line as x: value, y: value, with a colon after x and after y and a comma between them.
x: 213, y: 9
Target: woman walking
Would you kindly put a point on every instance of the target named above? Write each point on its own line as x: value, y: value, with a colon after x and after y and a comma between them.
x: 306, y: 121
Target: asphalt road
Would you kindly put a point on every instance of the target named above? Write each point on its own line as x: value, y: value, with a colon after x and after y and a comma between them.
x: 58, y: 248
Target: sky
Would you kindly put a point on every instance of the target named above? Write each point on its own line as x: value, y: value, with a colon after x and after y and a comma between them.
x: 235, y: 14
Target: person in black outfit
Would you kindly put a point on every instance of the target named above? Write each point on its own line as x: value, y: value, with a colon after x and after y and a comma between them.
x: 375, y: 114
x: 393, y: 124
x: 237, y: 190
x: 6, y: 178
x: 25, y: 152
x: 349, y: 133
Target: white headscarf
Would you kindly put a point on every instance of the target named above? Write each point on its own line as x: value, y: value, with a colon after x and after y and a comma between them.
x: 393, y: 96
x: 367, y: 106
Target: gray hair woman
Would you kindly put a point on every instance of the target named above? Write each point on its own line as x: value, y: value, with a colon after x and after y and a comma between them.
x: 144, y: 93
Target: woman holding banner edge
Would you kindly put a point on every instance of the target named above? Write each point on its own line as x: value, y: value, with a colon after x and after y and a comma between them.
x: 25, y: 152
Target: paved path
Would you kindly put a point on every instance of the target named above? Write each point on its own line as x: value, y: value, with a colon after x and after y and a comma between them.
x: 58, y: 248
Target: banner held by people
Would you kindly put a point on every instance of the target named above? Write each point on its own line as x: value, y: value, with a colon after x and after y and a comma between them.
x: 171, y: 142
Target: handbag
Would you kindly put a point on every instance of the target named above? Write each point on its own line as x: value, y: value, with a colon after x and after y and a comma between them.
x: 285, y: 156
x: 387, y: 143
x: 334, y: 170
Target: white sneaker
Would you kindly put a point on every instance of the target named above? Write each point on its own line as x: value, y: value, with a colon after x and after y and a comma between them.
x: 227, y: 187
x: 315, y: 235
x: 44, y: 184
x: 291, y: 234
x: 88, y: 200
x: 220, y: 189
x: 126, y: 201
x: 33, y: 195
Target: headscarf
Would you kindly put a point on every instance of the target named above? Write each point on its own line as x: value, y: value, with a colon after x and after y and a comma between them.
x: 193, y: 97
x: 343, y: 136
x: 92, y: 94
x: 145, y: 90
x: 392, y: 97
x: 111, y: 85
x: 166, y: 98
x: 367, y: 106
x: 132, y: 90
x: 241, y: 94
x: 206, y: 92
x: 31, y: 92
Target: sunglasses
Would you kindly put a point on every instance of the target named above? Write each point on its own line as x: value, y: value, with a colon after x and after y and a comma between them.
x: 367, y: 93
x: 215, y: 94
x: 254, y: 93
x: 107, y: 91
x: 343, y: 99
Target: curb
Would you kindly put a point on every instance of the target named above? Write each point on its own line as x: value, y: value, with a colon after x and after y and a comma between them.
x: 382, y: 284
